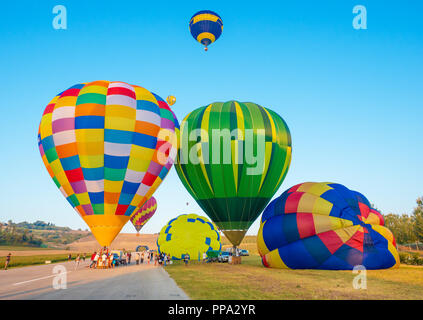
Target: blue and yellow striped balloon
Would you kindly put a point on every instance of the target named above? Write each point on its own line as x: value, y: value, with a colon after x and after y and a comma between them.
x: 206, y: 27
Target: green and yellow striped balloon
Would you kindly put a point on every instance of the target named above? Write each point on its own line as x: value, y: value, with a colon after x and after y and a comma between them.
x: 223, y: 177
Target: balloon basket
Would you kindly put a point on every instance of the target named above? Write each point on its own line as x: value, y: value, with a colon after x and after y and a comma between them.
x: 235, y: 260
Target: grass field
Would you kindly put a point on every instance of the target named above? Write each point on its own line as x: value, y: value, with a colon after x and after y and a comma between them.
x: 22, y: 261
x: 251, y: 280
x: 22, y: 248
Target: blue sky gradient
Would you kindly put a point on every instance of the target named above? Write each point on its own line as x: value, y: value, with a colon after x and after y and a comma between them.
x: 353, y: 99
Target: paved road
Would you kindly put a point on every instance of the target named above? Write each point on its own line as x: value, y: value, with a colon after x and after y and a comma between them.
x: 144, y: 282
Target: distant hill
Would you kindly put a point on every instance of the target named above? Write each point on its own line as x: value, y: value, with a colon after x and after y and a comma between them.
x: 38, y: 234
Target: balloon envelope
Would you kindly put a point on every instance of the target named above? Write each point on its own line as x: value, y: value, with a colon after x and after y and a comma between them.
x: 324, y: 226
x: 107, y: 146
x: 206, y: 27
x: 140, y: 218
x: 233, y: 157
x: 188, y: 234
x: 171, y: 100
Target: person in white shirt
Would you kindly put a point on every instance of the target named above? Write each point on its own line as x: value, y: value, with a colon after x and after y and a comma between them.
x: 97, y: 256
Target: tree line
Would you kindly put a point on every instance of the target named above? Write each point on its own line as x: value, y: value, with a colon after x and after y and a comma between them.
x: 407, y: 229
x: 12, y: 236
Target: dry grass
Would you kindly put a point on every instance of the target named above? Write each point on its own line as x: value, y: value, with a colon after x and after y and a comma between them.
x: 251, y: 280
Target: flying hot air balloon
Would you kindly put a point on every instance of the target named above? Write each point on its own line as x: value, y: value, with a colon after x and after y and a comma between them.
x: 107, y: 146
x: 140, y: 218
x: 233, y: 157
x: 206, y: 27
x: 171, y: 100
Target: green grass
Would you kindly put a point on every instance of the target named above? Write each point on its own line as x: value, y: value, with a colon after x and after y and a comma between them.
x: 251, y: 280
x: 22, y: 261
x: 22, y: 248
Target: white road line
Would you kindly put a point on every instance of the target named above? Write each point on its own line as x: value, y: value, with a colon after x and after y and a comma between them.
x: 32, y: 280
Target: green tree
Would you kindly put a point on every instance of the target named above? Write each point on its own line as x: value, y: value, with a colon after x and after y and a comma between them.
x: 418, y: 219
x: 402, y: 226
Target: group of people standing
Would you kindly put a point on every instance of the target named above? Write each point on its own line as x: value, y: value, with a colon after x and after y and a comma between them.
x: 104, y: 259
x: 152, y: 257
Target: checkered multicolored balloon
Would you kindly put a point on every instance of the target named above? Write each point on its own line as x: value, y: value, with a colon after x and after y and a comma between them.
x: 107, y: 146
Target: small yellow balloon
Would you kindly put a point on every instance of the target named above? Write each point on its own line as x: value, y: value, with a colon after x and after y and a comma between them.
x: 171, y: 100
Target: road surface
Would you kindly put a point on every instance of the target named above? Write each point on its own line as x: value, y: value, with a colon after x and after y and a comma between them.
x: 144, y: 282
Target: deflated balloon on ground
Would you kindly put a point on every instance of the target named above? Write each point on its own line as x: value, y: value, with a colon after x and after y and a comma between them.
x: 324, y: 226
x: 188, y: 234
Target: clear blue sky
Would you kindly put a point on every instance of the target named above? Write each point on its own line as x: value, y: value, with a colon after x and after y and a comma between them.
x: 353, y: 99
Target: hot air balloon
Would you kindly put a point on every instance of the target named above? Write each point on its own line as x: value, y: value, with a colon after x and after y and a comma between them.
x: 324, y: 226
x: 188, y: 234
x: 206, y: 27
x: 107, y: 146
x: 171, y: 100
x: 233, y: 157
x: 144, y: 214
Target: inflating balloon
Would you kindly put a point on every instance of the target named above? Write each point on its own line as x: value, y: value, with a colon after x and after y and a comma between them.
x: 144, y: 214
x: 107, y: 146
x: 171, y: 100
x: 188, y: 234
x: 206, y: 27
x: 235, y: 164
x: 324, y: 226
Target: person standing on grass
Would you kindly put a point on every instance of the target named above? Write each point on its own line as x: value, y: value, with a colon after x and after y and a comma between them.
x: 83, y: 256
x: 77, y: 259
x: 6, y: 264
x: 69, y: 257
x: 186, y: 259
